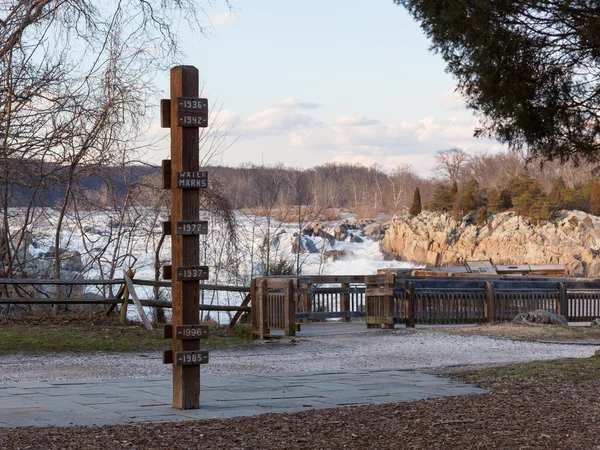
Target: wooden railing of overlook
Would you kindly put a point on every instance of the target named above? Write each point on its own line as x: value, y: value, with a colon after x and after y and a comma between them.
x: 280, y: 303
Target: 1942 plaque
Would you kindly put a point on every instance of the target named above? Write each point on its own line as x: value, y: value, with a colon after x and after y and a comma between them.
x: 191, y: 358
x: 192, y: 180
x: 192, y: 227
x: 192, y: 273
x: 192, y: 112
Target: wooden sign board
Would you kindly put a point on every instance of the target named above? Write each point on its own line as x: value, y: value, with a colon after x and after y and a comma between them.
x: 481, y: 267
x: 191, y: 332
x: 192, y: 112
x: 192, y: 180
x: 192, y: 227
x: 192, y: 273
x: 191, y: 358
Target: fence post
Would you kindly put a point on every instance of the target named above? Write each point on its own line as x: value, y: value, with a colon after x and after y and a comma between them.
x: 264, y: 313
x: 123, y: 316
x: 410, y: 305
x: 307, y: 300
x: 345, y: 301
x: 563, y: 300
x: 289, y: 309
x: 490, y: 305
x: 257, y: 287
x: 388, y: 301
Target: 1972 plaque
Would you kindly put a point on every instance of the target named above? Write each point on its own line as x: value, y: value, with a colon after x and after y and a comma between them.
x: 192, y: 227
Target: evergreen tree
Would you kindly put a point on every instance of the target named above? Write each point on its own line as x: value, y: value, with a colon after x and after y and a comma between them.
x: 558, y: 195
x: 454, y: 188
x: 595, y: 198
x: 482, y: 214
x: 415, y: 209
x: 579, y: 198
x: 529, y: 67
x: 493, y: 200
x: 469, y: 197
x: 527, y: 196
x: 442, y: 199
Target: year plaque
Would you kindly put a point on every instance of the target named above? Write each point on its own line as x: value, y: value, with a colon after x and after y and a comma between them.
x: 192, y: 227
x: 192, y: 180
x: 191, y: 331
x: 192, y: 112
x: 192, y: 273
x: 191, y: 358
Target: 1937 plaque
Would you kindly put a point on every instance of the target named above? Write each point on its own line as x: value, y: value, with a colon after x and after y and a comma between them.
x: 192, y: 273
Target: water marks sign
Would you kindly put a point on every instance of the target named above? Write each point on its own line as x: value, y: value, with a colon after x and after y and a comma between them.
x: 192, y: 180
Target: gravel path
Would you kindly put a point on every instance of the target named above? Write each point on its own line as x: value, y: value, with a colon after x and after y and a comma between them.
x: 375, y: 350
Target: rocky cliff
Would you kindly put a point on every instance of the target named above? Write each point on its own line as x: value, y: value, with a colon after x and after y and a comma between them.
x: 434, y: 239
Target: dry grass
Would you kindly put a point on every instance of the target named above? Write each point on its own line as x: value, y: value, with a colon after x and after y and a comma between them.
x: 330, y: 214
x: 529, y: 332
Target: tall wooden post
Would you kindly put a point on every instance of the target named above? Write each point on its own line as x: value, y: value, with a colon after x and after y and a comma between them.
x: 185, y: 205
x: 184, y: 113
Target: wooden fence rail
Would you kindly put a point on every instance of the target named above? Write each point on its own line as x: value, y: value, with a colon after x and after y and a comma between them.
x: 127, y: 289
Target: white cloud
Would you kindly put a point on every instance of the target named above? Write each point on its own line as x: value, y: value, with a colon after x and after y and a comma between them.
x: 292, y: 103
x: 225, y: 118
x: 279, y: 119
x: 359, y: 139
x: 451, y: 100
x: 224, y: 18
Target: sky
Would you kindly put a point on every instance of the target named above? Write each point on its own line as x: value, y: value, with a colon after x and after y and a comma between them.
x: 310, y: 82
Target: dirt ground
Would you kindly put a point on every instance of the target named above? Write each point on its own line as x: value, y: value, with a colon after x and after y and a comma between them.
x: 550, y: 411
x: 562, y: 416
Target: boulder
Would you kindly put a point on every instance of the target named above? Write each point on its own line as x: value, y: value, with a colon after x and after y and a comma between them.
x: 595, y: 323
x: 541, y: 316
x: 335, y: 255
x: 301, y: 245
x: 507, y: 238
x: 320, y: 232
x: 340, y: 232
x: 356, y: 239
x: 375, y: 230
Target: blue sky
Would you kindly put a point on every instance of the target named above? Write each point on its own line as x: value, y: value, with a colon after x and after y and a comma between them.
x: 310, y: 82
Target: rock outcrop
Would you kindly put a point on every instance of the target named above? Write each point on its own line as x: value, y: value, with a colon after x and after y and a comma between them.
x: 435, y: 239
x: 541, y: 316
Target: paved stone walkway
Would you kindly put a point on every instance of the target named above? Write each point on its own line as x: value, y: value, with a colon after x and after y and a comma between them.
x: 132, y: 400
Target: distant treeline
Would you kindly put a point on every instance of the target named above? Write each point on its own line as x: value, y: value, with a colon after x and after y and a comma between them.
x: 460, y: 184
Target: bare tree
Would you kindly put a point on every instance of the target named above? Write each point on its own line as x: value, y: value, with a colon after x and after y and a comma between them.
x: 75, y: 84
x: 449, y: 163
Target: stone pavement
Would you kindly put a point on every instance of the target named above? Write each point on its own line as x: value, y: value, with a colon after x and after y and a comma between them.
x: 132, y: 400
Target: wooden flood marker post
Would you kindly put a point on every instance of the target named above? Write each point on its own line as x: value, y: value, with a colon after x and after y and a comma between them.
x: 184, y: 113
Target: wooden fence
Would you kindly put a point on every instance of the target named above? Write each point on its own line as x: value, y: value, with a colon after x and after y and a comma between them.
x: 125, y: 293
x: 386, y: 299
